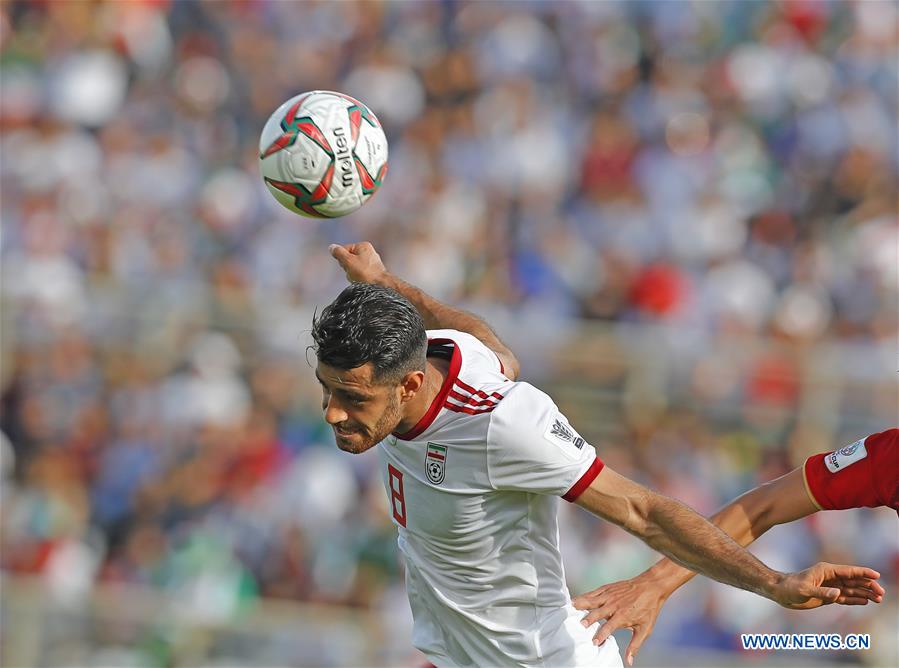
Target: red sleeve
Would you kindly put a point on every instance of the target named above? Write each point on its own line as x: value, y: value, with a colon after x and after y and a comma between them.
x: 864, y: 474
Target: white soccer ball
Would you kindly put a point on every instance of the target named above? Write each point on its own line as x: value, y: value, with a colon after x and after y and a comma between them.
x: 323, y: 154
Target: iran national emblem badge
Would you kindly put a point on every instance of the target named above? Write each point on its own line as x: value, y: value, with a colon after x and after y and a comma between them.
x: 435, y: 463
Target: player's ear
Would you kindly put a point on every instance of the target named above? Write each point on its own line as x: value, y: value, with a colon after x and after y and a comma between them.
x: 411, y: 384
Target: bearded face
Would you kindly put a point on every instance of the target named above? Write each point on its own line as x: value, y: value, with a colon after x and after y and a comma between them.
x: 361, y: 413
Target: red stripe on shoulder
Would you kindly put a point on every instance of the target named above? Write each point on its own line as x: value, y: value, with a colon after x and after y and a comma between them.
x: 471, y: 400
x: 465, y: 409
x: 478, y: 393
x: 584, y: 481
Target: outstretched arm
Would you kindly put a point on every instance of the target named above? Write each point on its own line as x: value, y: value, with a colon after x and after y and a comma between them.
x: 636, y: 603
x: 745, y: 519
x: 362, y: 264
x: 675, y: 530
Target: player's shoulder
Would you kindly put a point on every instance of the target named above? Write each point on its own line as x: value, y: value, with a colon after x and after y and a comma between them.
x: 475, y: 361
x: 507, y: 406
x: 528, y: 427
x: 475, y: 385
x: 523, y: 395
x: 523, y: 407
x: 456, y: 337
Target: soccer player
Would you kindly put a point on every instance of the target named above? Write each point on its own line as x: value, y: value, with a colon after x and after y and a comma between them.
x: 864, y: 474
x: 473, y: 462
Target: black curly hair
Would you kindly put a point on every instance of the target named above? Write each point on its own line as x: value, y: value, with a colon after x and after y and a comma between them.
x: 369, y: 323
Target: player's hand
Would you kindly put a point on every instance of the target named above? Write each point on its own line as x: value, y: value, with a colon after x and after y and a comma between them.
x: 825, y: 583
x: 361, y: 262
x: 630, y: 604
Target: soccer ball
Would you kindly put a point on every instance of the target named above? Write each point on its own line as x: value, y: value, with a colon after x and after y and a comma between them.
x: 323, y: 154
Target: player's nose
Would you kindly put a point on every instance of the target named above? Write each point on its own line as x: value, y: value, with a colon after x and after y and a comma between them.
x: 334, y: 414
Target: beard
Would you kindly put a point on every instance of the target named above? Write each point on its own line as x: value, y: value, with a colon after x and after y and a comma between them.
x: 364, y: 438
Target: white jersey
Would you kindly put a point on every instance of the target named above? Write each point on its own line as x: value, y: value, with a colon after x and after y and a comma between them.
x: 473, y: 489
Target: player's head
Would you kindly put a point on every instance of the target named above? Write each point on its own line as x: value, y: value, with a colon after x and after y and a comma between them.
x: 371, y: 347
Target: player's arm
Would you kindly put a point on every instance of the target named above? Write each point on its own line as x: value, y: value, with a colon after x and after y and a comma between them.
x: 636, y: 603
x: 743, y: 519
x: 362, y: 264
x: 684, y: 536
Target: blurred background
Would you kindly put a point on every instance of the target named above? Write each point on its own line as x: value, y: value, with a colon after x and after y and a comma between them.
x: 681, y: 215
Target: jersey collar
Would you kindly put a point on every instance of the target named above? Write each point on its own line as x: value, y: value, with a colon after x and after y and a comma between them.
x: 437, y: 403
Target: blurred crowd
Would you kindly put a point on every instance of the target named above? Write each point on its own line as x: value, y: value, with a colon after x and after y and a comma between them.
x: 726, y: 170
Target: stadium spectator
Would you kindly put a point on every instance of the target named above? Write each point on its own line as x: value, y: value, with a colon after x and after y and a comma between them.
x: 710, y: 188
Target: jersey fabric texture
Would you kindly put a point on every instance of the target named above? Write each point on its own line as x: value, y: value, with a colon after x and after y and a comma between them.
x: 864, y: 474
x: 473, y: 490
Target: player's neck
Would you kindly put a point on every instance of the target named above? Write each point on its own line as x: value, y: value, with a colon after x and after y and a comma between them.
x: 436, y: 371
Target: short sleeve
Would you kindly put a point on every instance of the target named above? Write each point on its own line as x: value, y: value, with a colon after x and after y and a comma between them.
x: 860, y: 475
x: 531, y: 447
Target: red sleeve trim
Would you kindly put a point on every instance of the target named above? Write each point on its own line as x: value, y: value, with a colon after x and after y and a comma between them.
x: 584, y: 482
x: 807, y: 478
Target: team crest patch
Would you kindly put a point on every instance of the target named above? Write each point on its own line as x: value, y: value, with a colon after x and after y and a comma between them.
x: 840, y: 459
x: 564, y: 432
x: 435, y: 463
